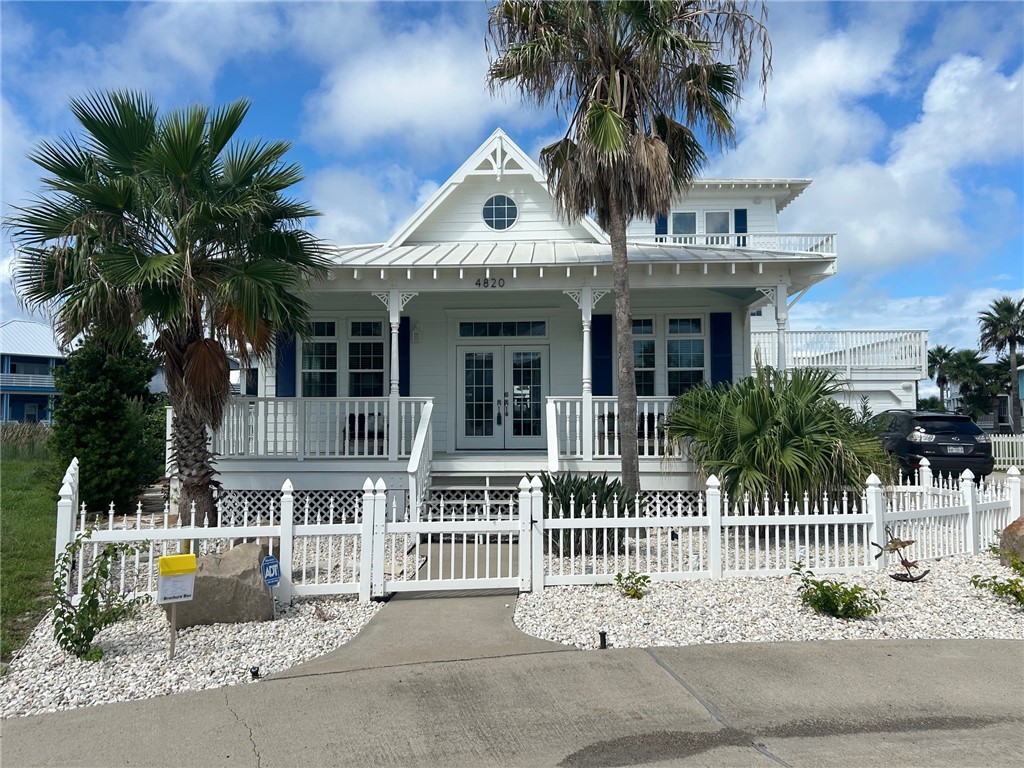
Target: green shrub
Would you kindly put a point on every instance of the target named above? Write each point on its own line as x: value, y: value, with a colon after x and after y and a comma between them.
x: 832, y: 598
x: 107, y: 418
x: 632, y: 584
x: 583, y: 498
x: 1012, y: 588
x: 102, y: 603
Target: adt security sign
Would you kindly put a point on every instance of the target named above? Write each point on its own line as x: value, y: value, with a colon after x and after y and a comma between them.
x: 271, y: 568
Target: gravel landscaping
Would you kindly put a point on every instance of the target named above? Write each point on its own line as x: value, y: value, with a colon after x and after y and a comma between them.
x: 42, y: 678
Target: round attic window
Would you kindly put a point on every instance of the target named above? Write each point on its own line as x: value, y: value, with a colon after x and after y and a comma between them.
x: 500, y: 212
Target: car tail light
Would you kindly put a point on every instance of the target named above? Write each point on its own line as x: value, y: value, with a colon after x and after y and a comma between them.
x: 917, y: 436
x: 983, y: 438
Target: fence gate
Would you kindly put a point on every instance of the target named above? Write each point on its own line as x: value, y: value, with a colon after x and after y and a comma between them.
x: 456, y: 547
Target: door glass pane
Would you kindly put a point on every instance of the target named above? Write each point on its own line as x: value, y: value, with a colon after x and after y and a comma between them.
x: 526, y: 394
x: 479, y: 413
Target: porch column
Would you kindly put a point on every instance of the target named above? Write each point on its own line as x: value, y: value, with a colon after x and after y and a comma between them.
x: 585, y: 299
x: 395, y: 301
x: 782, y: 322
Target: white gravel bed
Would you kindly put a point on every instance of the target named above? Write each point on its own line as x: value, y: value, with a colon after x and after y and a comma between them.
x: 43, y: 678
x: 768, y: 609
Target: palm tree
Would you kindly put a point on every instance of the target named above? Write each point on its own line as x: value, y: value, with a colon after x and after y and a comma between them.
x: 169, y: 222
x: 633, y: 77
x: 1002, y: 327
x: 939, y: 358
x: 966, y: 372
x: 778, y: 432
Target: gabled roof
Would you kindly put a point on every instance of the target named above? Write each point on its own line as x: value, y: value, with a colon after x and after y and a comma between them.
x: 28, y: 338
x: 497, y: 156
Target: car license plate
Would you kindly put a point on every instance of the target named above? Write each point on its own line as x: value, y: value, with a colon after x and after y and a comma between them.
x: 954, y: 449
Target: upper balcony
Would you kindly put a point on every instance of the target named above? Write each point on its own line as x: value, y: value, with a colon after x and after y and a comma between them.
x: 849, y: 353
x: 801, y: 242
x: 26, y: 381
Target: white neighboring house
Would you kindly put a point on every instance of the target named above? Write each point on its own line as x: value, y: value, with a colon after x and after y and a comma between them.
x: 477, y: 344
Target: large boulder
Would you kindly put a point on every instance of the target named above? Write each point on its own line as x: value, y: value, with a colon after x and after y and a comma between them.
x: 229, y: 589
x: 1012, y: 540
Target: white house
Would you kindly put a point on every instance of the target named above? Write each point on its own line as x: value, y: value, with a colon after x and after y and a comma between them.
x: 477, y: 341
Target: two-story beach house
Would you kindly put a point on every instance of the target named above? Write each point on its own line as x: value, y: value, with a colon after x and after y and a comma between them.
x: 477, y: 341
x: 28, y: 355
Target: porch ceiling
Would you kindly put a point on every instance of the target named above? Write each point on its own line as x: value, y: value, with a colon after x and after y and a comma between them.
x: 555, y: 253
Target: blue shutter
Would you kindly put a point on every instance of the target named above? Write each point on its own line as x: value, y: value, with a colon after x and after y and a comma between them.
x: 661, y: 224
x: 601, y: 368
x: 721, y: 347
x: 739, y: 223
x: 404, y: 370
x: 285, y: 365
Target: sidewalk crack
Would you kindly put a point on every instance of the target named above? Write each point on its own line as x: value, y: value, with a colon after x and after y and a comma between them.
x: 247, y: 727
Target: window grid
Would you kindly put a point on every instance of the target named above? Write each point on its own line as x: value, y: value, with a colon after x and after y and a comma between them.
x: 684, y: 354
x: 506, y: 329
x: 320, y: 360
x: 644, y: 356
x: 500, y: 212
x: 366, y: 359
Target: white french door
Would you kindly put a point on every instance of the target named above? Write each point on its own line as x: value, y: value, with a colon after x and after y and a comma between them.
x: 501, y: 397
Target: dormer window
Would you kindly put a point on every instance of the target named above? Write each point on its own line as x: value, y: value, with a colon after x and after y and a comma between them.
x: 500, y: 212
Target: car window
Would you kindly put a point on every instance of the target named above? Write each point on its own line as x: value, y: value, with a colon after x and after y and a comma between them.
x: 943, y: 425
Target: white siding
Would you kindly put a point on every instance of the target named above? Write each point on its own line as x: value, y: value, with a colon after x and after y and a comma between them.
x: 460, y: 216
x: 761, y: 217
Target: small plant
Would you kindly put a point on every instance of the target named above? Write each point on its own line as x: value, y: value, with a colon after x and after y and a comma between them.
x: 573, y: 496
x: 632, y: 584
x: 102, y: 602
x: 1012, y: 588
x: 831, y: 598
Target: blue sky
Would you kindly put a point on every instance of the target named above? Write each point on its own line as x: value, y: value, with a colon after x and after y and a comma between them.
x: 908, y: 116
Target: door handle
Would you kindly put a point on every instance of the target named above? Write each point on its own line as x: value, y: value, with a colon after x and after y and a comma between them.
x: 497, y: 412
x: 506, y: 405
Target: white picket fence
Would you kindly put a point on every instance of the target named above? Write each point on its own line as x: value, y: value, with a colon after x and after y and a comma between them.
x: 367, y: 543
x: 1008, y: 451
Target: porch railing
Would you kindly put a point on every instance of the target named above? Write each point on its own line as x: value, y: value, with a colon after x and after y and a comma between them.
x: 25, y: 380
x: 846, y: 352
x: 421, y: 461
x: 307, y: 427
x: 582, y: 432
x: 803, y: 242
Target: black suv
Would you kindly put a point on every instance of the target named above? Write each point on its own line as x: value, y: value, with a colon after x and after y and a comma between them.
x: 950, y: 442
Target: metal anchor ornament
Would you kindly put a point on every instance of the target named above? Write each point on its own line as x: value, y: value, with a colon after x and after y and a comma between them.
x: 898, y: 545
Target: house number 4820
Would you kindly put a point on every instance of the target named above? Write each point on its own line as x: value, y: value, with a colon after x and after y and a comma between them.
x: 490, y: 282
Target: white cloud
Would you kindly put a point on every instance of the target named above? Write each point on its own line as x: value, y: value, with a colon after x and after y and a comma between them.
x: 420, y: 87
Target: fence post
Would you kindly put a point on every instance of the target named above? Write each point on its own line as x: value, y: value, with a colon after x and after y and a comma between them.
x: 970, y: 495
x: 713, y: 498
x: 1013, y: 485
x: 284, y: 553
x: 525, y: 537
x: 537, y: 539
x: 876, y: 509
x: 366, y: 544
x: 65, y: 520
x: 380, y: 510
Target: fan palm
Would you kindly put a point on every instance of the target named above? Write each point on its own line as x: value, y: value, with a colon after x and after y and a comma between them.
x: 635, y: 79
x: 1002, y: 327
x: 170, y: 223
x: 939, y: 358
x: 778, y: 432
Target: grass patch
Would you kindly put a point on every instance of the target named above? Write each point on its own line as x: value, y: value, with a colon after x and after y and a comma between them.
x: 28, y: 522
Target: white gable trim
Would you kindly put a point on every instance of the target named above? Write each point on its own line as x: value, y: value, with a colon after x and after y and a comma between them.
x: 497, y: 156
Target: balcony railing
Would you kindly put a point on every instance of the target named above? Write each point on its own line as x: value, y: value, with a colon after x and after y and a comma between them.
x: 577, y: 434
x: 788, y: 242
x: 314, y: 428
x: 25, y: 381
x: 846, y: 352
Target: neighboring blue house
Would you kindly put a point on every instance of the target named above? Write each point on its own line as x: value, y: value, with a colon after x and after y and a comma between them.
x: 28, y: 355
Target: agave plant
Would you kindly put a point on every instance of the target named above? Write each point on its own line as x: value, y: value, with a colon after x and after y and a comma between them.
x: 578, y: 497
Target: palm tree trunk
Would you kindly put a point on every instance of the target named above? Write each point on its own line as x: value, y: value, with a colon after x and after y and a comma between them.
x: 194, y: 462
x: 624, y: 347
x: 1015, y: 408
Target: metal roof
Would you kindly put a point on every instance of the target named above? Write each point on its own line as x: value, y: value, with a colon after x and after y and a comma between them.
x: 28, y: 338
x: 550, y: 253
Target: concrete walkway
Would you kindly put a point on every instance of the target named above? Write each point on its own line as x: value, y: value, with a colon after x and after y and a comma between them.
x: 450, y: 682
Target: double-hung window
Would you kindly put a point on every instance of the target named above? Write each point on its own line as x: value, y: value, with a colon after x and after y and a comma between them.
x: 366, y: 358
x: 717, y: 227
x: 320, y: 360
x: 684, y: 227
x: 644, y: 356
x: 685, y: 356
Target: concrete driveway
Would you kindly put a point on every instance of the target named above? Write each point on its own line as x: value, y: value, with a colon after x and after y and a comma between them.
x: 469, y: 698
